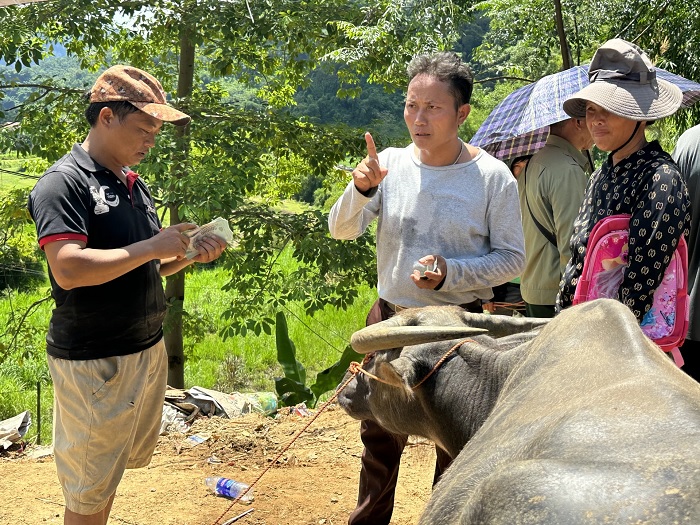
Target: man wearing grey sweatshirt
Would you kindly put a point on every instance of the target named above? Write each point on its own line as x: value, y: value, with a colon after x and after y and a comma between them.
x: 449, y: 229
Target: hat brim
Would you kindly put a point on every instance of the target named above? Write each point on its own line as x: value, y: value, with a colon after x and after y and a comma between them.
x: 632, y: 101
x: 163, y: 112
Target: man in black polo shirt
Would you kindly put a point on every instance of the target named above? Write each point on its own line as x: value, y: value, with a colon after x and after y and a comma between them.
x: 97, y: 224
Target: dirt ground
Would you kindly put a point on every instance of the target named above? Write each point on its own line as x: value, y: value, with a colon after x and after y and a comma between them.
x: 314, y: 481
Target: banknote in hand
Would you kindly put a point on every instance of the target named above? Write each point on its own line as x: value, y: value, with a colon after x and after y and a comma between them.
x: 218, y: 227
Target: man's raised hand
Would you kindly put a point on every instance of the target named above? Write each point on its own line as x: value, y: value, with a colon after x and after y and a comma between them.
x: 368, y: 173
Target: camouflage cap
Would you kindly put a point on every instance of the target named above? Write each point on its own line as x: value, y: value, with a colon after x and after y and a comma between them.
x: 130, y: 84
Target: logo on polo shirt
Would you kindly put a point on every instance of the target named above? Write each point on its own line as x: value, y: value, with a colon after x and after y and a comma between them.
x: 104, y: 197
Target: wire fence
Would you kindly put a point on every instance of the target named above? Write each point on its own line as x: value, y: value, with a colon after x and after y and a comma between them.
x: 19, y: 174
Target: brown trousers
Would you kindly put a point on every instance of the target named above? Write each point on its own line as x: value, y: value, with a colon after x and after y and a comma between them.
x: 382, y: 453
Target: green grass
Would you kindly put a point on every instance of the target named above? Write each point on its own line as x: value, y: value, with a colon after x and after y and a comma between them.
x: 23, y: 369
x: 20, y: 178
x: 250, y: 363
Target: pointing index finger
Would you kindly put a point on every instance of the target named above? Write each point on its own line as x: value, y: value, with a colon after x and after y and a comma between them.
x: 371, y: 148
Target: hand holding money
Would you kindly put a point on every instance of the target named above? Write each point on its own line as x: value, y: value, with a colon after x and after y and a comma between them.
x: 218, y: 227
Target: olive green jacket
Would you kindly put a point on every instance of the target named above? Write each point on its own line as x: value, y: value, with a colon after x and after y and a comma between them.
x: 555, y: 181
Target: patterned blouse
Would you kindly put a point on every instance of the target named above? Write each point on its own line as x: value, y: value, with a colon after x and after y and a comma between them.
x: 648, y: 186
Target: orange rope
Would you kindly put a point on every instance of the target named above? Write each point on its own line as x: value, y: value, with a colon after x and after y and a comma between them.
x: 510, y: 306
x: 354, y: 368
x: 440, y: 362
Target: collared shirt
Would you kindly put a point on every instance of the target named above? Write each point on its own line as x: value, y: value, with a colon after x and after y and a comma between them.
x: 78, y: 199
x: 553, y: 184
x: 648, y: 186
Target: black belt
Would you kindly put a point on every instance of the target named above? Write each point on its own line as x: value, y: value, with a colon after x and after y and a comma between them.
x: 474, y: 307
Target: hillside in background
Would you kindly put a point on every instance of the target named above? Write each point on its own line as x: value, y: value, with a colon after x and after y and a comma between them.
x: 375, y: 108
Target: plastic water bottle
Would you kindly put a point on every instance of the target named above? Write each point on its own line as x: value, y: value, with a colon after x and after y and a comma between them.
x: 229, y: 488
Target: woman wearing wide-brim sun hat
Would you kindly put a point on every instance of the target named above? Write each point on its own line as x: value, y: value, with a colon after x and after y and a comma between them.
x: 638, y: 178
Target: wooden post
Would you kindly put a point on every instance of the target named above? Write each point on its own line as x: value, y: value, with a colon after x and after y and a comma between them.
x: 38, y: 412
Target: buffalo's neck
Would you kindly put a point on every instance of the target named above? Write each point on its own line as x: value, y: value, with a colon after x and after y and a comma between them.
x: 465, y: 405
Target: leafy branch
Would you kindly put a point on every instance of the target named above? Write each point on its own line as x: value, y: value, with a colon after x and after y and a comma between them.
x: 18, y: 329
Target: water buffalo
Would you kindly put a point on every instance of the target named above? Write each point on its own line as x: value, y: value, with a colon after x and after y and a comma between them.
x: 581, y: 420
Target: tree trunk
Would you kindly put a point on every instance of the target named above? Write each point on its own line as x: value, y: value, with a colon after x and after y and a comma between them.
x: 563, y: 45
x: 175, y: 284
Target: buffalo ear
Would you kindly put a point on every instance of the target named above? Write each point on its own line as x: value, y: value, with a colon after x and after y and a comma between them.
x: 398, y: 372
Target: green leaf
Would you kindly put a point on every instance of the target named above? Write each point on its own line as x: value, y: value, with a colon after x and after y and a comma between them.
x: 292, y: 392
x: 330, y: 378
x: 286, y: 352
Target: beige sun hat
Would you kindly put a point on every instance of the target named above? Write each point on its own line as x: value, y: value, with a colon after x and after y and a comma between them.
x: 624, y: 82
x: 133, y: 85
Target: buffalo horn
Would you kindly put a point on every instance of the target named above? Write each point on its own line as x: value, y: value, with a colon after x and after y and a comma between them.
x: 382, y: 337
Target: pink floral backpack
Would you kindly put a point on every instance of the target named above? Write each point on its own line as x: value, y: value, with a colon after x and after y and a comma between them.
x: 667, y: 322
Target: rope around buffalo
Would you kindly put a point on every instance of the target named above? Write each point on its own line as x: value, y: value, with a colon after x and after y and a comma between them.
x: 354, y: 369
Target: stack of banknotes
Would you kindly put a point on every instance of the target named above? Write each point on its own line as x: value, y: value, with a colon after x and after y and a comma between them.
x: 218, y: 227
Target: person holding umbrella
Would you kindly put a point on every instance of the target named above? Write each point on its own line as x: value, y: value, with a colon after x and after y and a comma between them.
x: 638, y: 178
x: 551, y: 189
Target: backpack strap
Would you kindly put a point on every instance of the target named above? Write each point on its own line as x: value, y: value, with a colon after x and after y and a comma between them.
x: 677, y: 357
x: 544, y: 231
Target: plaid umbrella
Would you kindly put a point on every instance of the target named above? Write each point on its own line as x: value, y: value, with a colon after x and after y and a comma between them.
x: 519, y: 125
x: 690, y: 89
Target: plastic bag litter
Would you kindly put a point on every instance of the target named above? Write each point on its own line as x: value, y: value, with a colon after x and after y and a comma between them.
x: 238, y: 404
x: 12, y: 429
x: 172, y: 421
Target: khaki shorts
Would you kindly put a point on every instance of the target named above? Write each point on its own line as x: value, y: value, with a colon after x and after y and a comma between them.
x: 107, y: 415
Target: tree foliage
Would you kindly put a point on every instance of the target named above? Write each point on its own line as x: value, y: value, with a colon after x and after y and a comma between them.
x: 21, y: 265
x: 233, y: 147
x: 522, y: 38
x: 669, y: 31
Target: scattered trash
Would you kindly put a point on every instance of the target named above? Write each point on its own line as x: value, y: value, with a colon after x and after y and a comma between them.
x: 229, y: 488
x: 238, y: 404
x: 40, y: 452
x: 213, y: 459
x: 190, y: 405
x: 173, y: 420
x: 263, y: 402
x: 12, y: 429
x: 181, y: 407
x: 196, y: 439
x: 300, y: 410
